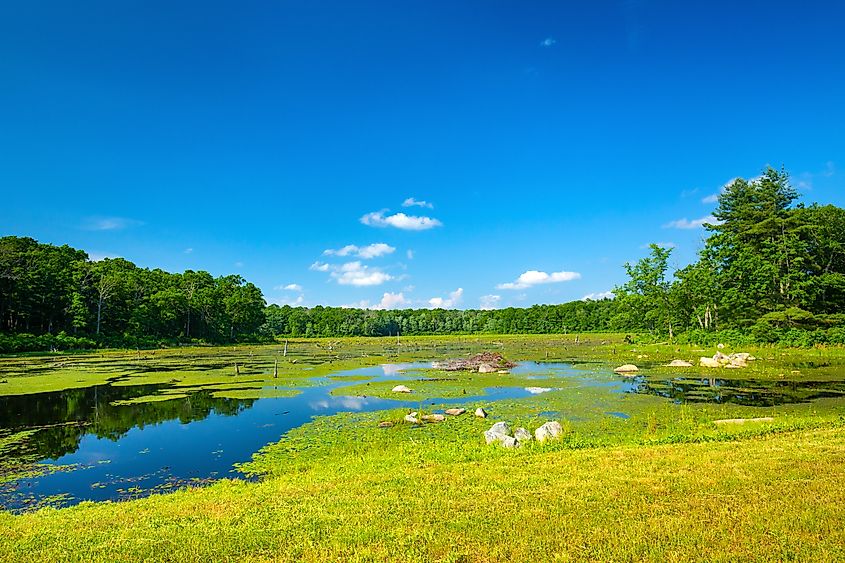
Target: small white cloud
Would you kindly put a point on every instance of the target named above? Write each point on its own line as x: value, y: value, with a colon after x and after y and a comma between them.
x: 239, y: 264
x: 687, y: 224
x: 548, y: 41
x: 490, y: 302
x: 534, y: 277
x: 598, y: 296
x: 355, y: 273
x: 392, y: 301
x: 319, y: 267
x: 829, y: 169
x: 713, y: 198
x: 189, y: 250
x: 411, y: 202
x: 447, y: 303
x: 110, y: 223
x: 410, y: 254
x: 399, y: 221
x: 366, y: 252
x: 292, y: 287
x: 299, y: 301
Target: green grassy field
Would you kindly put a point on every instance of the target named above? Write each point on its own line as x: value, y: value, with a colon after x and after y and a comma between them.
x: 666, y: 483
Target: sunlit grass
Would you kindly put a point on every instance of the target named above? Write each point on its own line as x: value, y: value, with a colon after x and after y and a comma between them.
x: 665, y: 483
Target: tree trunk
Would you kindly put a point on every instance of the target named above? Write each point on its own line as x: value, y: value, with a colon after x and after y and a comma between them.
x: 99, y: 312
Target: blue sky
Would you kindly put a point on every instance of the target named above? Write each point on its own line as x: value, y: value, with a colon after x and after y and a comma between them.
x: 463, y: 154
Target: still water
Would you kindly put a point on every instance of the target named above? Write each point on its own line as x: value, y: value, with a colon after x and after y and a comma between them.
x: 113, y: 452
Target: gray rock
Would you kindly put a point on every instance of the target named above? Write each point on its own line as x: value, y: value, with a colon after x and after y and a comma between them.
x: 385, y: 424
x: 486, y: 368
x: 548, y: 431
x: 433, y: 418
x: 480, y: 413
x: 455, y: 412
x: 706, y: 362
x: 679, y: 364
x: 401, y: 389
x: 506, y: 441
x: 509, y: 442
x: 491, y: 437
x: 502, y: 428
x: 412, y: 418
x: 522, y: 435
x: 627, y: 369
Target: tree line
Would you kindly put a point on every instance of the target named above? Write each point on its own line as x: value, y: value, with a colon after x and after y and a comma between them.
x: 54, y: 296
x: 770, y: 270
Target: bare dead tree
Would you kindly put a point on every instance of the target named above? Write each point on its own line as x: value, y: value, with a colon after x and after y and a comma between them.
x: 104, y: 287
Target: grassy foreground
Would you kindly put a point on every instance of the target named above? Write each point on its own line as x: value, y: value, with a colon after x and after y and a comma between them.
x: 665, y: 484
x: 781, y: 497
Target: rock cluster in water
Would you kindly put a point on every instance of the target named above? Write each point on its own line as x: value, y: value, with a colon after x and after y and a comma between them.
x: 486, y: 362
x: 501, y: 433
x: 720, y: 360
x: 415, y: 418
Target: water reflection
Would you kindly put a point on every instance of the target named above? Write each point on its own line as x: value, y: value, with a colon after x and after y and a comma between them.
x: 748, y: 392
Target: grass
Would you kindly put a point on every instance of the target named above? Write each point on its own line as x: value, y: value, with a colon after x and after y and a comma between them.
x: 665, y: 484
x: 777, y: 498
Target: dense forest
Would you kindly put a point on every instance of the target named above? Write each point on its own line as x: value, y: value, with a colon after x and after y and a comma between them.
x: 770, y: 270
x: 55, y: 297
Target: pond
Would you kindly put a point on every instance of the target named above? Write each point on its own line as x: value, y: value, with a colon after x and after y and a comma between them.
x: 105, y: 449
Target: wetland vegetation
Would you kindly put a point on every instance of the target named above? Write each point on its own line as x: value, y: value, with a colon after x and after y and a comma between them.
x: 295, y: 466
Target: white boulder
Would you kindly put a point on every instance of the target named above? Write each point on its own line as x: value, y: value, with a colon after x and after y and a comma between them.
x: 548, y: 431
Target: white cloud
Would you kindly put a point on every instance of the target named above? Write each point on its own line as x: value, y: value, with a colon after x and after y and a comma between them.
x: 410, y: 254
x: 829, y: 170
x: 533, y: 277
x: 548, y: 41
x: 447, y: 303
x: 400, y: 221
x: 299, y: 301
x: 804, y: 181
x: 110, y: 223
x: 713, y: 198
x: 189, y: 250
x: 366, y: 252
x: 292, y: 287
x: 319, y: 267
x: 239, y: 264
x: 598, y: 296
x: 411, y: 202
x: 490, y: 302
x: 687, y: 224
x: 392, y: 301
x: 355, y: 273
x: 388, y: 301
